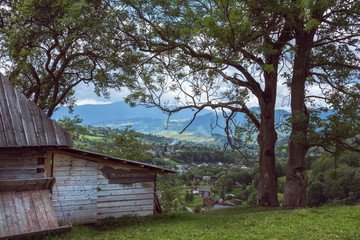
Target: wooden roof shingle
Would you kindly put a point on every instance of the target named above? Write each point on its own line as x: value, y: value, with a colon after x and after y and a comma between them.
x: 24, y: 124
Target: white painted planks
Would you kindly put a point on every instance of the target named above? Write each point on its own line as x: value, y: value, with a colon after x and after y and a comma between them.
x: 75, y: 190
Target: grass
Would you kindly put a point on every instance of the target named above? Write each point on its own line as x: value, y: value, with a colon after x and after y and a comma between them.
x: 341, y: 222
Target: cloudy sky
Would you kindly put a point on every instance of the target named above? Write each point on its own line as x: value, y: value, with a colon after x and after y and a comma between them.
x: 86, y: 95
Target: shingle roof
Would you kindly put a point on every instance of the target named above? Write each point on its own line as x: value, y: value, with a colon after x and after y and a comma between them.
x: 204, y: 188
x: 24, y: 124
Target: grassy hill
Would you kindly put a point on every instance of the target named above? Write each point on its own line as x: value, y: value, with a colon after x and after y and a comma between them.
x: 342, y: 222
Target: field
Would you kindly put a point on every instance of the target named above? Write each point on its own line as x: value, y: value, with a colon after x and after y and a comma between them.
x: 340, y: 222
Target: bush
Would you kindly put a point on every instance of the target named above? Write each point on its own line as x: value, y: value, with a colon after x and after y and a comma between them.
x: 334, y: 184
x: 252, y: 199
x: 197, y: 208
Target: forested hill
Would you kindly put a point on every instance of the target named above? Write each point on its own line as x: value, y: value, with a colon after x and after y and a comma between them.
x: 150, y: 120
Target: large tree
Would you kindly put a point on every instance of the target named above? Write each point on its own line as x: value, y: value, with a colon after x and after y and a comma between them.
x: 326, y: 55
x: 48, y: 47
x: 211, y: 54
x: 215, y: 54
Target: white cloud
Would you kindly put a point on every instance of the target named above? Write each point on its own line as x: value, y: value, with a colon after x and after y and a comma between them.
x: 91, y: 101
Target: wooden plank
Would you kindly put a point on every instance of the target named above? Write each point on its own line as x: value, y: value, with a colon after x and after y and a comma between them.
x: 125, y: 197
x: 27, y: 120
x: 77, y: 173
x: 10, y: 214
x: 121, y: 180
x: 49, y: 130
x: 17, y: 159
x: 3, y: 224
x: 76, y: 188
x: 76, y: 183
x: 109, y: 172
x: 6, y: 117
x: 30, y: 211
x: 74, y: 202
x: 19, y: 168
x: 125, y: 209
x: 38, y: 234
x: 75, y: 168
x: 15, y: 176
x: 2, y: 133
x: 25, y: 184
x: 106, y: 186
x: 74, y: 198
x: 49, y: 210
x: 59, y: 134
x: 79, y: 208
x: 121, y: 214
x: 126, y: 191
x: 16, y: 116
x: 76, y: 192
x: 20, y: 212
x: 124, y: 203
x: 40, y: 211
x: 73, y: 163
x: 59, y: 179
x: 39, y: 126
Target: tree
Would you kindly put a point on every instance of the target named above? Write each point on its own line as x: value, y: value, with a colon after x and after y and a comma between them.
x: 326, y: 54
x: 126, y: 145
x: 72, y: 126
x: 51, y: 46
x: 211, y: 54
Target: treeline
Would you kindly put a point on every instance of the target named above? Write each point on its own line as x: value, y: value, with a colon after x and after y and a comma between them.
x: 334, y: 181
x: 209, y: 154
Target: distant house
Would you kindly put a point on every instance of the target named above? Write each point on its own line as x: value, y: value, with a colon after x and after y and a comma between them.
x: 206, y: 178
x: 44, y: 180
x: 205, y: 191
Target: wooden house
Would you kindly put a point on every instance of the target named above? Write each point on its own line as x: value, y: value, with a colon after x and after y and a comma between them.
x: 205, y: 191
x: 39, y: 165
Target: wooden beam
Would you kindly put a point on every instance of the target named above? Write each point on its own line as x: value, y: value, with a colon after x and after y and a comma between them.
x: 37, y: 234
x: 27, y: 184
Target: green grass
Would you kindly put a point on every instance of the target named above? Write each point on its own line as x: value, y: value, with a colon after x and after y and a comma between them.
x: 233, y: 223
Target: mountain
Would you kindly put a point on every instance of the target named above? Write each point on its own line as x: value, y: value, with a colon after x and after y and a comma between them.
x: 96, y: 114
x: 152, y: 120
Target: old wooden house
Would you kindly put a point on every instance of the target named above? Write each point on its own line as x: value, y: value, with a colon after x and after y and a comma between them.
x: 43, y: 180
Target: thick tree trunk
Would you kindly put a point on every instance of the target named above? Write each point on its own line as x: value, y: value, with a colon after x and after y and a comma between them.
x: 267, y: 188
x: 296, y: 179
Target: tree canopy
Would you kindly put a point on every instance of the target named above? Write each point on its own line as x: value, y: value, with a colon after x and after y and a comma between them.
x: 48, y: 47
x: 218, y: 54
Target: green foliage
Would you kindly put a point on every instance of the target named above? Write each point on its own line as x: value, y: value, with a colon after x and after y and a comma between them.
x: 73, y: 126
x: 51, y: 46
x: 197, y: 208
x: 189, y: 197
x: 332, y: 182
x: 168, y: 188
x: 126, y: 145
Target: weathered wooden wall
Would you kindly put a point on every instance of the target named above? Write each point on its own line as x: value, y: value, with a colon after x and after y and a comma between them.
x: 22, y: 163
x: 124, y: 190
x: 75, y: 190
x: 88, y: 189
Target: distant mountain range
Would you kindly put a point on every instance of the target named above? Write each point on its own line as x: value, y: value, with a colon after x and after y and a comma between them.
x: 150, y: 120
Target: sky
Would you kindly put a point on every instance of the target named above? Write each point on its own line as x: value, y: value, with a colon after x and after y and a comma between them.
x: 85, y: 95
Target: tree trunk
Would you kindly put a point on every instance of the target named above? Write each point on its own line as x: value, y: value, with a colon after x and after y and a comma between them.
x: 296, y: 179
x: 267, y: 188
